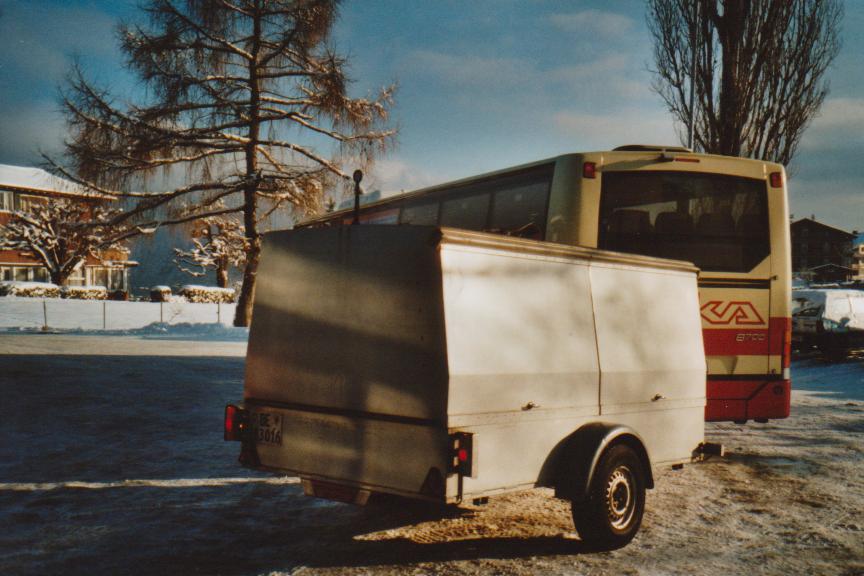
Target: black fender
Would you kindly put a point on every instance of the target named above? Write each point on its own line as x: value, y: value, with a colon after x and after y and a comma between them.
x: 571, y: 465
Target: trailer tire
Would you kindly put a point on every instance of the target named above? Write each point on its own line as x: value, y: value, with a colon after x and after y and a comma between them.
x: 611, y: 514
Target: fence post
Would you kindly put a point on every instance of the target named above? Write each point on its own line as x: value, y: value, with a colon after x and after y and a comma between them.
x: 161, y: 316
x: 219, y: 312
x: 44, y: 315
x: 104, y: 315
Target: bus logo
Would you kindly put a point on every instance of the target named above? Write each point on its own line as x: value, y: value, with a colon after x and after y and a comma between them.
x: 737, y: 313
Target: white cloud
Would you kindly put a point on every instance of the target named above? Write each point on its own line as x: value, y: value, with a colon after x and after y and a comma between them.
x: 839, y: 112
x: 835, y: 201
x: 394, y: 175
x: 592, y: 21
x: 839, y: 122
x: 471, y: 70
x: 611, y: 77
x: 611, y: 129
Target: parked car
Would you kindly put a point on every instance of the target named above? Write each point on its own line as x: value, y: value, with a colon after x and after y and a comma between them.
x: 828, y: 320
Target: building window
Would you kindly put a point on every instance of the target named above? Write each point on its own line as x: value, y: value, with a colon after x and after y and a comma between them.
x: 41, y: 275
x: 29, y: 203
x: 98, y: 277
x: 21, y: 274
x: 77, y: 277
x: 117, y: 279
x: 7, y: 200
x: 5, y: 273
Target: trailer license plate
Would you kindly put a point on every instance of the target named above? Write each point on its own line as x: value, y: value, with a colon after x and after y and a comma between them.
x: 269, y: 428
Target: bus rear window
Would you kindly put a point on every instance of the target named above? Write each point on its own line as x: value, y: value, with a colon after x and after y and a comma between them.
x: 720, y: 223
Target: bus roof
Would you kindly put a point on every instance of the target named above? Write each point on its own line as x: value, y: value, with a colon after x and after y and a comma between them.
x: 667, y: 152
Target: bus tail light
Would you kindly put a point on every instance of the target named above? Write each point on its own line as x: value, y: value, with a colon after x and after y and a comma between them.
x: 236, y: 423
x: 589, y: 170
x: 776, y: 179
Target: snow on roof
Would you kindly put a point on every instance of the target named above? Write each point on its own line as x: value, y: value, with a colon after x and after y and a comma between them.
x: 28, y: 179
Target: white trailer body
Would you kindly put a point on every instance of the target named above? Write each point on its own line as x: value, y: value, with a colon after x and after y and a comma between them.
x: 378, y: 353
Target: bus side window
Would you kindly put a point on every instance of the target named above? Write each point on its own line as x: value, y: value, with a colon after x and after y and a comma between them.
x: 467, y: 212
x: 420, y: 214
x: 380, y: 216
x: 520, y: 211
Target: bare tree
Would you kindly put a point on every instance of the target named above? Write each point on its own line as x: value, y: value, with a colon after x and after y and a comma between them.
x: 242, y: 93
x: 218, y: 244
x: 62, y: 233
x: 759, y: 69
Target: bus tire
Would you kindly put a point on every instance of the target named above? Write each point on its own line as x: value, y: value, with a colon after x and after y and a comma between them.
x: 610, y: 516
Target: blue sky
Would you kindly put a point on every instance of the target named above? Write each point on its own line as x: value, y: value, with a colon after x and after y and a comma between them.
x: 483, y: 85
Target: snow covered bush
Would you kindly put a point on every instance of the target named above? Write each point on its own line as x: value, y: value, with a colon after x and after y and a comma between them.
x: 160, y: 294
x: 210, y: 294
x: 85, y: 292
x: 29, y: 289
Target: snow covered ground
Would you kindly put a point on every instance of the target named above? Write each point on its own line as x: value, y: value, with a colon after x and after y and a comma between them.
x: 112, y: 462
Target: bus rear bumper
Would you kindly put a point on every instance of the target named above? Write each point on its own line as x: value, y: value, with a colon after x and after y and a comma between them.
x: 741, y: 400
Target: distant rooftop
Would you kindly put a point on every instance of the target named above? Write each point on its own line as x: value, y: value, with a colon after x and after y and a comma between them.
x: 809, y: 222
x: 27, y: 179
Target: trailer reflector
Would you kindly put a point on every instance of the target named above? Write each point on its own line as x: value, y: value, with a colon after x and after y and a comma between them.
x: 463, y: 450
x: 236, y: 423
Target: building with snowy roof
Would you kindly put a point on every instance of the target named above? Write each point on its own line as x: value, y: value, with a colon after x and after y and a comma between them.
x: 23, y: 187
x: 821, y: 253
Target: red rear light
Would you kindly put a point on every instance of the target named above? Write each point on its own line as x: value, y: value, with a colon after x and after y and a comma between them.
x: 589, y: 170
x: 787, y: 343
x: 776, y: 179
x: 463, y: 454
x: 236, y: 422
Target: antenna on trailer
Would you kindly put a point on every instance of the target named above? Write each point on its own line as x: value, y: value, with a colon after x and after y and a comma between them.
x: 358, y: 176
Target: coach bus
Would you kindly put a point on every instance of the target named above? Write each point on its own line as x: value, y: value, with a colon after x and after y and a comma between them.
x: 727, y: 215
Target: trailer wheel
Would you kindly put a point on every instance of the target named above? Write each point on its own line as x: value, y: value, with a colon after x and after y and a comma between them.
x: 611, y: 514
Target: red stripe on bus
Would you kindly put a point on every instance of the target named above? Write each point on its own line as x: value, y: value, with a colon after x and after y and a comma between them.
x: 745, y: 400
x: 736, y: 342
x: 748, y: 342
x: 779, y: 327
